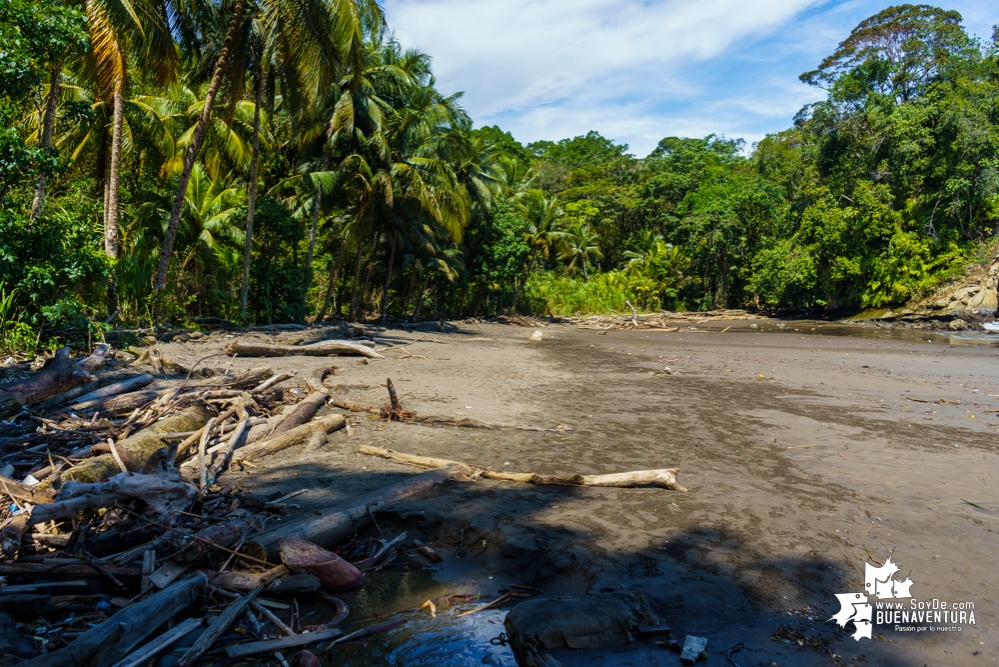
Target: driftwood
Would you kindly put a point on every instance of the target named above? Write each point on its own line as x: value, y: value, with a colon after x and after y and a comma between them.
x: 241, y: 580
x: 139, y: 447
x: 665, y: 477
x: 225, y: 534
x: 59, y: 376
x: 121, y: 633
x: 303, y: 412
x: 95, y: 398
x: 326, y: 348
x: 211, y: 634
x: 333, y: 572
x: 49, y: 570
x: 296, y: 436
x: 124, y: 403
x: 277, y: 327
x: 153, y: 648
x: 272, y: 645
x: 162, y: 496
x: 337, y: 523
x: 224, y: 456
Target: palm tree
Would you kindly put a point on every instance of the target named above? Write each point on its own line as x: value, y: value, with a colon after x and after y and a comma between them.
x: 315, y: 36
x: 117, y: 27
x: 542, y: 215
x: 577, y: 243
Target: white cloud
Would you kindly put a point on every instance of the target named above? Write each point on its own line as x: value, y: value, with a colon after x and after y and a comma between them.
x: 635, y: 70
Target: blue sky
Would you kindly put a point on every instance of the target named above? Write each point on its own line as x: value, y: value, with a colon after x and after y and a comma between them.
x: 636, y: 70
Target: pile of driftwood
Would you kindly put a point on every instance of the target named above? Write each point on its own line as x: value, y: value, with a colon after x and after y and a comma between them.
x: 669, y: 321
x: 124, y: 544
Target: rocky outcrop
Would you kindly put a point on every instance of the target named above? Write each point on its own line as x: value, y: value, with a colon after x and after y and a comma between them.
x: 971, y: 298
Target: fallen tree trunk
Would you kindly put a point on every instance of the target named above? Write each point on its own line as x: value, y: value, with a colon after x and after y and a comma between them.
x: 296, y: 436
x: 304, y: 411
x: 115, y: 638
x: 326, y: 348
x: 48, y: 570
x: 664, y: 477
x: 96, y: 398
x: 337, y: 523
x: 60, y: 375
x: 124, y: 403
x: 137, y: 448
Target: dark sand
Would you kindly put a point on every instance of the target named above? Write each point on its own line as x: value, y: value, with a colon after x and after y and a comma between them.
x: 796, y: 479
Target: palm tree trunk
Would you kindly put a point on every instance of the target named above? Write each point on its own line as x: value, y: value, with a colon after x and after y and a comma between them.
x: 419, y: 299
x: 364, y: 285
x: 48, y: 123
x: 388, y: 278
x: 252, y: 195
x: 199, y: 136
x: 334, y: 278
x: 111, y: 219
x: 357, y: 280
x: 315, y: 221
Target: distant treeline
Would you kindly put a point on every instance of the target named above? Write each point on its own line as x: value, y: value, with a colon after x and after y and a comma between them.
x: 279, y: 161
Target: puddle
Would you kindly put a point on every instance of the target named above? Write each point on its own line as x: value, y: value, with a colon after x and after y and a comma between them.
x: 424, y: 641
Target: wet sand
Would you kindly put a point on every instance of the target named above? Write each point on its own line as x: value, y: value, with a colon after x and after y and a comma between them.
x: 840, y: 454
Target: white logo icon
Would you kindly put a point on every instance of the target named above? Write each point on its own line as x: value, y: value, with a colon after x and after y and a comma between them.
x: 879, y: 582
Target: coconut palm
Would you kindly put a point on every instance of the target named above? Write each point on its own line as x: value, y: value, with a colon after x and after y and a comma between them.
x: 542, y: 215
x: 315, y: 36
x: 578, y: 242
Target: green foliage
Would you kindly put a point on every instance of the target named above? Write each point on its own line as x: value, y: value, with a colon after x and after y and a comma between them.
x: 277, y: 278
x: 560, y: 295
x: 15, y: 334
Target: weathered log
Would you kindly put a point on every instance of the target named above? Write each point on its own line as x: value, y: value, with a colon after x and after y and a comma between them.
x: 333, y: 572
x: 139, y: 447
x: 337, y: 523
x: 317, y: 440
x: 356, y: 407
x: 21, y: 491
x: 221, y: 462
x: 267, y: 384
x: 162, y: 496
x: 278, y: 327
x: 225, y: 534
x: 296, y: 436
x: 326, y: 348
x: 95, y: 398
x: 126, y: 629
x: 47, y: 570
x: 60, y: 375
x: 155, y: 647
x: 203, y: 643
x: 241, y: 580
x: 664, y: 477
x: 272, y: 645
x: 304, y: 411
x: 126, y: 403
x: 317, y: 378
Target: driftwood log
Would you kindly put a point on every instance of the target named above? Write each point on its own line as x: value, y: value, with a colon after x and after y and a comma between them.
x: 304, y: 411
x: 115, y: 638
x: 96, y: 398
x: 139, y: 447
x: 326, y: 348
x: 664, y: 477
x: 333, y: 572
x: 299, y: 435
x: 163, y: 496
x: 59, y: 376
x: 339, y: 522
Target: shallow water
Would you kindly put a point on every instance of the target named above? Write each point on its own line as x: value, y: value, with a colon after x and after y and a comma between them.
x: 424, y: 641
x: 820, y: 328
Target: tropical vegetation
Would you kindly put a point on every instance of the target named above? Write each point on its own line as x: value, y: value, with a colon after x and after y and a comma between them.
x: 265, y: 161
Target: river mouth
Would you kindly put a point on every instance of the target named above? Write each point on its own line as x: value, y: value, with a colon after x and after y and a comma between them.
x: 851, y: 330
x: 426, y: 640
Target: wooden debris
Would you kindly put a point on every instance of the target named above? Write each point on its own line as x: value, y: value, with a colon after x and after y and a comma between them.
x: 665, y: 477
x: 296, y: 436
x: 333, y: 572
x: 335, y: 524
x: 127, y: 628
x: 218, y: 626
x: 97, y: 397
x: 326, y: 348
x: 60, y: 375
x: 155, y: 647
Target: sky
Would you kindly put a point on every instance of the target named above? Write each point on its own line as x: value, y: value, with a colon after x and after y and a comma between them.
x: 636, y: 70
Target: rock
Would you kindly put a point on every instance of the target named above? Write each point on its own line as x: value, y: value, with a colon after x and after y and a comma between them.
x: 941, y: 303
x: 958, y: 325
x: 148, y: 341
x: 694, y: 649
x: 537, y: 335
